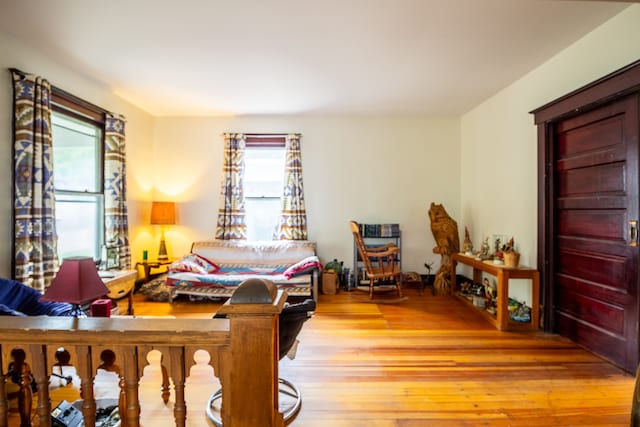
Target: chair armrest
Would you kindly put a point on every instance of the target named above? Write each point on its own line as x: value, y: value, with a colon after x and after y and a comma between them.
x: 381, y: 254
x: 377, y: 248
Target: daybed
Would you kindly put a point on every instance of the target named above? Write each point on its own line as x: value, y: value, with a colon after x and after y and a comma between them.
x: 215, y: 268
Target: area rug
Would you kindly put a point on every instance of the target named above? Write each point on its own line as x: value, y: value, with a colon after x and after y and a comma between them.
x: 156, y: 289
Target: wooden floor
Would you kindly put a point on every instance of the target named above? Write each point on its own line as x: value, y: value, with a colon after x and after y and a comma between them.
x: 427, y: 361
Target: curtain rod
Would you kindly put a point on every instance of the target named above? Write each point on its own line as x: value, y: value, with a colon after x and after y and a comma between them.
x: 61, y: 92
x: 15, y: 70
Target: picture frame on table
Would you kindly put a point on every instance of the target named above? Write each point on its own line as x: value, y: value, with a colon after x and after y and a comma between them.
x: 112, y: 261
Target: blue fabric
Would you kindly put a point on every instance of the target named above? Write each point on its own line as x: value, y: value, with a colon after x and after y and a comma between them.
x: 16, y: 297
x: 6, y: 311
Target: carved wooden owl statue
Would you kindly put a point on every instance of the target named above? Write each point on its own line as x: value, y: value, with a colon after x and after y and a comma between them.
x: 444, y: 229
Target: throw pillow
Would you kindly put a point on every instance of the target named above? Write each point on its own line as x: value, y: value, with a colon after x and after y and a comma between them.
x: 193, y: 263
x: 301, y: 267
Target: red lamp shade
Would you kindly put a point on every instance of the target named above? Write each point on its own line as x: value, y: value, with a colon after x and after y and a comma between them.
x: 77, y: 282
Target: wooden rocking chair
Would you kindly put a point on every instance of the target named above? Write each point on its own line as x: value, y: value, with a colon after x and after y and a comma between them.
x: 379, y: 262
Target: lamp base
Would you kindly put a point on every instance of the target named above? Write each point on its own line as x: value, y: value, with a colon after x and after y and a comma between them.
x: 162, y: 253
x: 77, y: 311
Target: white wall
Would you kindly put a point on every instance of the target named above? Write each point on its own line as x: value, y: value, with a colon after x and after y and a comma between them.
x: 370, y: 169
x: 499, y: 140
x: 14, y: 54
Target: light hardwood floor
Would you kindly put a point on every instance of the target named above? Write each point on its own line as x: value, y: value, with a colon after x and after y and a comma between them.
x: 428, y: 361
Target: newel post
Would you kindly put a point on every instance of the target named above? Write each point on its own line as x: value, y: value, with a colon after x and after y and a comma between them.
x: 250, y: 377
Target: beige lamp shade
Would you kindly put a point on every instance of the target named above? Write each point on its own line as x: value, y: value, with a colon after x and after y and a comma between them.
x: 163, y: 213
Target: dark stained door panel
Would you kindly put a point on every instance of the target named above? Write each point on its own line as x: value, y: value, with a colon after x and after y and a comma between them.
x: 595, y: 279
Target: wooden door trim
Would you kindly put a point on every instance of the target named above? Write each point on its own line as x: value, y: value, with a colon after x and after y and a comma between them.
x: 609, y: 88
x: 615, y: 85
x: 546, y: 224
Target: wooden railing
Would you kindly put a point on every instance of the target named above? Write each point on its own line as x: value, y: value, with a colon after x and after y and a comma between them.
x: 245, y: 343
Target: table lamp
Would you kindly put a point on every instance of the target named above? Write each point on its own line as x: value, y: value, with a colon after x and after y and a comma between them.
x: 163, y: 213
x: 77, y: 282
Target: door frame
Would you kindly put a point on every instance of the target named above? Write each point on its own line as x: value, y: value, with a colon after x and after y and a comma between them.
x: 609, y: 88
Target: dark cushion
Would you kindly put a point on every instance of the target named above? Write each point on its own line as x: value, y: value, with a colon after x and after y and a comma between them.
x: 290, y: 322
x: 17, y: 297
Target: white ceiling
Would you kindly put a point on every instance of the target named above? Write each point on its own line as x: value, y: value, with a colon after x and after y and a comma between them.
x: 209, y: 57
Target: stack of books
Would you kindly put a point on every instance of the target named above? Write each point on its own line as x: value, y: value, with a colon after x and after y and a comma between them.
x: 380, y: 230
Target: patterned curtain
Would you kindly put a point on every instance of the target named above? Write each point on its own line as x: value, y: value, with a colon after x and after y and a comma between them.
x: 293, y: 219
x: 231, y: 213
x: 116, y: 226
x: 35, y: 239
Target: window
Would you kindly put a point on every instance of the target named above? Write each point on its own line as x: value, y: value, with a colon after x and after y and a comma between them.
x: 263, y: 182
x: 78, y: 180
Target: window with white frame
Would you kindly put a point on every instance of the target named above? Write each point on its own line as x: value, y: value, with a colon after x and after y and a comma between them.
x: 263, y: 182
x: 78, y: 182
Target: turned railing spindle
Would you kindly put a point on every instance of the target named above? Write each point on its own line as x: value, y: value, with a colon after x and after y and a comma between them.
x: 177, y: 368
x: 39, y: 369
x: 86, y: 373
x: 131, y: 382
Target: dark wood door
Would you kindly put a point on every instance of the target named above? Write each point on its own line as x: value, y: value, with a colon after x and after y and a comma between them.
x: 595, y: 266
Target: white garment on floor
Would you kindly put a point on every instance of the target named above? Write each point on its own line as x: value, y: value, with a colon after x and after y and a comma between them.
x: 106, y: 385
x: 66, y: 372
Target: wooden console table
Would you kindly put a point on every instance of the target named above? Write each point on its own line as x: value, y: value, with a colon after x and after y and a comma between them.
x: 501, y: 320
x: 120, y: 284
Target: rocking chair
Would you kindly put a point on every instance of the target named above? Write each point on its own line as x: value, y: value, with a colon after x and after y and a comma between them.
x: 379, y: 262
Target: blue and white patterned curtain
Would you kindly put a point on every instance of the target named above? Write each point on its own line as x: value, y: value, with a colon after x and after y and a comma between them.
x: 35, y: 239
x: 115, y: 189
x: 293, y: 219
x: 231, y: 212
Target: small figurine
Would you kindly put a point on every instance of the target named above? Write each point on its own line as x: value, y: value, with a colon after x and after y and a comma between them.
x: 497, y: 257
x: 519, y: 312
x: 465, y: 288
x: 490, y: 295
x: 510, y: 246
x: 497, y: 246
x: 489, y: 291
x: 484, y: 249
x: 467, y: 246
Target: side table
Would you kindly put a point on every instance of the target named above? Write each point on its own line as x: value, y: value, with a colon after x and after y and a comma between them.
x: 120, y: 284
x: 148, y: 265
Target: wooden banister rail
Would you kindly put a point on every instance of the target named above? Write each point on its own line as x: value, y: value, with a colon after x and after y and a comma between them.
x: 245, y: 343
